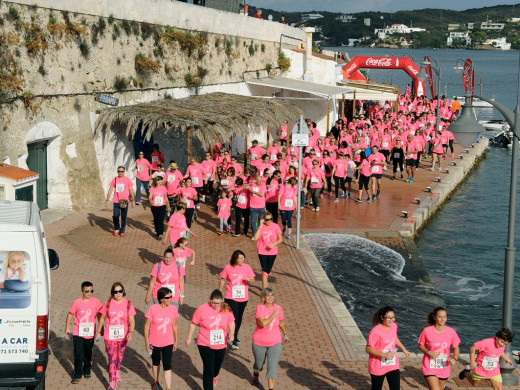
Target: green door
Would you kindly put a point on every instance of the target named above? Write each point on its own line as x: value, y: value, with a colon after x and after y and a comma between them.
x: 37, y: 162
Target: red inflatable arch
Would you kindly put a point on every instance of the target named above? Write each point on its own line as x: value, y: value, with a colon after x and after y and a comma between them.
x: 404, y: 63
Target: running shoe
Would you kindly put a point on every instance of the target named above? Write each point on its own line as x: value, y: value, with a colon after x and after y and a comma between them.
x: 74, y: 381
x: 359, y: 200
x: 112, y: 386
x: 440, y: 169
x: 462, y: 374
x: 155, y: 386
x: 412, y: 180
x: 416, y: 168
x: 384, y: 168
x: 330, y: 194
x: 87, y: 376
x: 220, y: 233
x: 123, y: 235
x: 348, y: 195
x: 343, y: 194
x: 378, y: 193
x: 137, y: 203
x: 215, y: 379
x: 234, y: 346
x: 407, y: 180
x: 432, y: 169
x: 369, y: 199
x: 373, y: 197
x: 227, y: 230
x: 255, y: 379
x: 402, y: 177
x: 116, y: 232
x: 160, y: 237
x: 453, y: 154
x: 317, y: 209
x: 288, y: 236
x: 236, y: 235
x: 393, y: 178
x: 283, y: 230
x: 336, y: 200
x: 321, y: 195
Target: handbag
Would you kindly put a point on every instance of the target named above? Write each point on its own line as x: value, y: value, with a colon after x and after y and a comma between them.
x: 123, y: 203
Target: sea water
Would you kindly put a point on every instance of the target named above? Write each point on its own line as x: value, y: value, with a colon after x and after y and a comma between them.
x: 462, y: 247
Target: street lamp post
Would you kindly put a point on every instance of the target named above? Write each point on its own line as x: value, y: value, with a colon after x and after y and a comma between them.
x: 422, y: 76
x: 466, y: 129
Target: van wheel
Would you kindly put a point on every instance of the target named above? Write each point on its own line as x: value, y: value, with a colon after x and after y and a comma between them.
x: 39, y: 386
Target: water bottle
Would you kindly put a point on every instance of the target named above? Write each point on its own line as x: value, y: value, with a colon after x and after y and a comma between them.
x: 151, y: 350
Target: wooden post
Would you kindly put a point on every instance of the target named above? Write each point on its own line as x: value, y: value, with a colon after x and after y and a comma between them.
x: 354, y: 106
x: 268, y: 133
x: 230, y: 145
x: 328, y: 115
x: 342, y: 109
x: 245, y: 152
x: 190, y: 138
x: 288, y: 136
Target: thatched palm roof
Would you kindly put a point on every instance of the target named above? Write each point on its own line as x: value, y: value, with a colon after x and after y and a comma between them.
x: 213, y: 117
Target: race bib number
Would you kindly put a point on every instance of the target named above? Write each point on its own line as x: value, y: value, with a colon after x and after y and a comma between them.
x: 171, y: 287
x: 216, y: 337
x: 253, y: 156
x: 489, y: 363
x: 318, y: 154
x: 120, y: 187
x: 397, y: 155
x: 439, y: 362
x: 208, y: 176
x: 288, y: 203
x: 242, y: 199
x: 385, y: 144
x: 187, y: 201
x: 195, y: 180
x: 181, y: 261
x: 155, y: 159
x: 224, y: 182
x: 273, y: 157
x: 183, y: 234
x: 284, y: 134
x: 255, y: 190
x: 388, y: 362
x: 116, y: 332
x: 171, y: 178
x: 409, y: 155
x: 86, y: 329
x: 358, y: 151
x: 374, y: 168
x: 238, y: 292
x: 139, y: 168
x: 158, y: 200
x: 314, y: 180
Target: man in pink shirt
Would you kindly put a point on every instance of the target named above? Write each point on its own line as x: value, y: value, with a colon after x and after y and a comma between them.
x: 255, y: 153
x: 172, y: 178
x: 377, y: 161
x: 122, y: 188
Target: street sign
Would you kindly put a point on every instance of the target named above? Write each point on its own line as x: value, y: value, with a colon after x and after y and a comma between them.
x: 300, y: 139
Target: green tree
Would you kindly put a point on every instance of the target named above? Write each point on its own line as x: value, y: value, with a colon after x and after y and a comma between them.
x: 478, y: 37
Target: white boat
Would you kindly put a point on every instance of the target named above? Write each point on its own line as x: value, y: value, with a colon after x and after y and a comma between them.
x: 477, y: 103
x: 495, y: 125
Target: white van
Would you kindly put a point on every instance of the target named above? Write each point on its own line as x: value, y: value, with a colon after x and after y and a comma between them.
x: 25, y: 295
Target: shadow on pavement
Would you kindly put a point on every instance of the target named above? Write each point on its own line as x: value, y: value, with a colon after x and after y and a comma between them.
x: 233, y: 365
x: 307, y: 377
x: 102, y: 222
x: 186, y: 312
x: 345, y: 376
x: 147, y: 256
x: 188, y: 372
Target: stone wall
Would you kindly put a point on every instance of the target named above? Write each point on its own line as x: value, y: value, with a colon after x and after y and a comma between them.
x: 53, y: 63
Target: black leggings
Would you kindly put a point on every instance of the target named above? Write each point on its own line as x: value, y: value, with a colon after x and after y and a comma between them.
x: 386, y: 153
x: 212, y: 361
x: 238, y: 309
x: 393, y: 378
x: 239, y: 213
x: 189, y: 216
x: 329, y: 183
x: 166, y: 353
x: 417, y: 160
x: 267, y: 262
x: 400, y: 162
x: 339, y: 182
x: 450, y: 143
x: 159, y: 212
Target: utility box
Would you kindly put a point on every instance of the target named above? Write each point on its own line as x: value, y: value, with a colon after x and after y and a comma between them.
x: 17, y: 183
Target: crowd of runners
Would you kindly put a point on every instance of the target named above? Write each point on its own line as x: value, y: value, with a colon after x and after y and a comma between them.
x: 352, y: 152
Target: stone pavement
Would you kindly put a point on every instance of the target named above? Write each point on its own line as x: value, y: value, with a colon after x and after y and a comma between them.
x: 319, y: 354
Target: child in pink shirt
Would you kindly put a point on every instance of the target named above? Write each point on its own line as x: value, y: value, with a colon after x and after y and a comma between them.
x: 181, y: 253
x: 224, y: 211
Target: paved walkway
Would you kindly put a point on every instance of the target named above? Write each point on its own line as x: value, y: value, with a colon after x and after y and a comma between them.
x: 319, y: 354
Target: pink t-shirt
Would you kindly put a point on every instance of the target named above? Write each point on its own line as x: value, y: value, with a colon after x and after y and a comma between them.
x: 121, y: 186
x: 437, y: 145
x: 438, y: 342
x: 272, y: 194
x: 268, y: 235
x: 186, y: 195
x: 365, y: 168
x: 224, y: 208
x: 168, y: 276
x: 341, y: 167
x: 237, y: 287
x: 209, y: 169
x: 257, y: 201
x: 213, y: 326
x: 172, y: 180
x: 256, y: 153
x: 386, y: 142
x: 117, y: 314
x: 177, y: 224
x: 85, y: 312
x: 157, y: 158
x: 242, y: 198
x: 159, y: 195
x: 488, y: 358
x: 272, y: 151
x: 196, y: 173
x: 161, y: 324
x: 180, y: 256
x: 287, y: 198
x: 143, y: 169
x: 316, y: 176
x: 270, y: 335
x: 377, y: 157
x: 283, y: 132
x: 382, y: 340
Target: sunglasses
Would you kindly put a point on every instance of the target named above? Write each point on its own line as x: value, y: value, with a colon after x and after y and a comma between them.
x: 118, y: 291
x: 88, y: 291
x: 170, y: 297
x: 120, y: 171
x: 268, y: 219
x: 141, y: 154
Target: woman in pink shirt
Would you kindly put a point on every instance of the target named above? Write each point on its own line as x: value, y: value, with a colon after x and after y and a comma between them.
x: 364, y: 177
x: 284, y: 131
x: 437, y: 150
x: 339, y: 172
x: 189, y: 195
x: 257, y: 191
x: 241, y: 207
x: 271, y: 198
x: 267, y: 237
x: 210, y: 172
x: 267, y: 339
x: 435, y: 343
x: 196, y: 174
x: 158, y: 198
x: 181, y: 254
x: 216, y: 327
x: 117, y: 320
x: 287, y: 204
x: 177, y: 226
x: 236, y: 276
x: 273, y: 150
x: 383, y: 361
x: 315, y: 180
x: 486, y: 364
x: 144, y: 170
x: 167, y: 273
x: 161, y: 336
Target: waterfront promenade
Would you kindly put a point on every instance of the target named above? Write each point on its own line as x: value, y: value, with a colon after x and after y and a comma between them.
x: 324, y: 351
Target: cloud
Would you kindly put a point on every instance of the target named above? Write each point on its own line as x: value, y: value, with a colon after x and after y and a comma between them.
x: 351, y: 6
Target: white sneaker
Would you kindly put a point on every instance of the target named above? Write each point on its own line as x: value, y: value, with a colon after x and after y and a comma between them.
x: 398, y: 169
x: 432, y: 169
x: 440, y: 169
x: 384, y: 168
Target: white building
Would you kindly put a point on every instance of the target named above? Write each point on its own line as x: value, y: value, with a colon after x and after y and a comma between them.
x: 458, y: 35
x: 499, y: 43
x: 490, y: 25
x: 345, y: 18
x: 453, y: 26
x: 396, y: 29
x: 311, y: 16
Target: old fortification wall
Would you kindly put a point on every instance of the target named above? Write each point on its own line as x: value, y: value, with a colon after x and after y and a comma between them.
x: 56, y: 56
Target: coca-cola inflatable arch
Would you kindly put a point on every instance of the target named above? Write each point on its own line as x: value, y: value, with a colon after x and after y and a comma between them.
x: 404, y: 63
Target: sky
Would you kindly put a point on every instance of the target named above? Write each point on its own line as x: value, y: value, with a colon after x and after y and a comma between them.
x: 352, y: 6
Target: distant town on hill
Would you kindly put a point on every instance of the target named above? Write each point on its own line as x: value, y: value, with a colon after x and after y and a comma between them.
x: 496, y: 27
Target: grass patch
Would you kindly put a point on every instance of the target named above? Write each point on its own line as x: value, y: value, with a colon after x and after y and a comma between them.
x: 145, y: 65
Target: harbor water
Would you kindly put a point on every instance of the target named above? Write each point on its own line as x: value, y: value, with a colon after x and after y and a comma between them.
x: 462, y: 246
